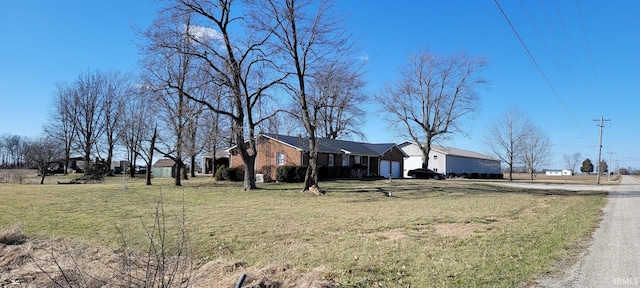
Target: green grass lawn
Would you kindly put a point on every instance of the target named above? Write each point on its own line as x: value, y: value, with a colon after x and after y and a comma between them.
x: 429, y: 233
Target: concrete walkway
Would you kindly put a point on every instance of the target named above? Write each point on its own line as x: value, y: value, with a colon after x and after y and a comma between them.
x: 613, y: 259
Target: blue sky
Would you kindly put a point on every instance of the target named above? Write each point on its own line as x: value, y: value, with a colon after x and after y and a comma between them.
x: 589, y: 54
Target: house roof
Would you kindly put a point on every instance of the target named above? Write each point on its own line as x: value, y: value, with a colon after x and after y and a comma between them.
x: 164, y: 163
x: 334, y: 146
x: 220, y: 153
x: 453, y: 151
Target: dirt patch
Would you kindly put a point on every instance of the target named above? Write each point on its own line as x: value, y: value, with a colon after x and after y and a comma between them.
x: 387, y: 235
x: 460, y: 230
x: 65, y: 263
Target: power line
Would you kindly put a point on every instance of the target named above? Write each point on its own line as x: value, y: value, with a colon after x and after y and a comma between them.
x: 566, y: 35
x: 555, y: 92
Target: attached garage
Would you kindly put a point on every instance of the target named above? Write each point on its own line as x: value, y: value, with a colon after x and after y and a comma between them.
x: 390, y: 167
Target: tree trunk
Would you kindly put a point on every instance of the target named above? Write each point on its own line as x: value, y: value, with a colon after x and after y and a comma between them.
x: 250, y: 174
x: 151, y: 149
x: 511, y: 171
x: 42, y: 179
x: 193, y: 166
x: 178, y: 174
x: 311, y: 177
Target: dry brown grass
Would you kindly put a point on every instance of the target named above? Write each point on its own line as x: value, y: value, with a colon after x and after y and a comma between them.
x: 68, y: 263
x: 429, y: 234
x: 574, y: 179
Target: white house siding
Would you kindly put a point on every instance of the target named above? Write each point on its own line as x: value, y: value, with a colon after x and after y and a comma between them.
x: 444, y: 160
x: 459, y: 165
x: 411, y: 163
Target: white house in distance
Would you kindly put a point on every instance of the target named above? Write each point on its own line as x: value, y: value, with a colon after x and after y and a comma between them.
x: 563, y: 172
x: 450, y: 161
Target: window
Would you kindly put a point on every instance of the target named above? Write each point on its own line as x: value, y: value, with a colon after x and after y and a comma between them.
x: 280, y: 158
x: 345, y: 160
x: 356, y: 159
x: 331, y: 160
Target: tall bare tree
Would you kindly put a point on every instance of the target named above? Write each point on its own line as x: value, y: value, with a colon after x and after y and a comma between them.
x: 536, y: 148
x: 194, y: 139
x: 433, y: 95
x: 572, y: 160
x: 310, y: 36
x: 13, y: 146
x: 117, y: 87
x: 337, y: 92
x: 41, y: 153
x: 172, y: 71
x: 139, y: 121
x: 232, y: 55
x: 61, y: 125
x: 505, y: 138
x: 89, y: 120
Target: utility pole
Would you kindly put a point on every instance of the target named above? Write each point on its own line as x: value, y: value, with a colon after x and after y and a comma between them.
x: 601, y: 125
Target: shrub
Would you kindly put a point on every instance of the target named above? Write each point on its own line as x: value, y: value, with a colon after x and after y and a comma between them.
x: 236, y: 173
x: 222, y: 173
x: 300, y: 173
x: 345, y: 172
x: 285, y: 174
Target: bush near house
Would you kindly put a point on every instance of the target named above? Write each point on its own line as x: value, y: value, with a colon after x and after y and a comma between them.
x: 290, y: 173
x: 231, y: 174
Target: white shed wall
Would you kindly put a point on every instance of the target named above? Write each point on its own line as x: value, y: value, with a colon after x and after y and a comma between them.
x: 456, y: 164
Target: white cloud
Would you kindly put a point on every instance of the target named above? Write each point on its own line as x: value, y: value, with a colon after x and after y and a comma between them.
x: 364, y: 58
x: 203, y: 33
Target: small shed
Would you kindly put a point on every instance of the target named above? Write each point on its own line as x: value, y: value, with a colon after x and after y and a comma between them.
x: 164, y: 168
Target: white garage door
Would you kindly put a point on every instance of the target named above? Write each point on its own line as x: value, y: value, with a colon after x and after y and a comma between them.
x: 395, y: 169
x: 392, y: 167
x: 385, y: 166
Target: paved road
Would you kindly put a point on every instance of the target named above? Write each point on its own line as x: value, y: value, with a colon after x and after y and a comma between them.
x: 613, y: 259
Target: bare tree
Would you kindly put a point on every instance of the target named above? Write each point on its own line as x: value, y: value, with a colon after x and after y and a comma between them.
x: 13, y: 146
x: 117, y: 87
x: 232, y: 55
x: 432, y: 96
x: 505, y: 138
x: 311, y: 37
x: 194, y: 139
x: 172, y: 72
x: 139, y: 120
x: 337, y: 92
x: 572, y: 160
x: 41, y: 153
x: 89, y: 120
x: 536, y: 148
x: 61, y: 124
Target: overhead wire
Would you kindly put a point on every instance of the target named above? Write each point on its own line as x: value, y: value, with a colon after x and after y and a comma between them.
x: 535, y: 62
x: 544, y: 43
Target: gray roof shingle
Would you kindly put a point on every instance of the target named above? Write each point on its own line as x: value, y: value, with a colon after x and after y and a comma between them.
x: 326, y: 145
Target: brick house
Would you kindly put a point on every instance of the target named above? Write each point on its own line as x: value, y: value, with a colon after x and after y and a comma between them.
x: 364, y: 159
